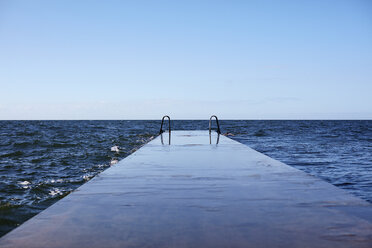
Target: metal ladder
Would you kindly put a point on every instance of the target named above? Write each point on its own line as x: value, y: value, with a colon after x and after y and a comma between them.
x: 162, y: 131
x: 210, y: 129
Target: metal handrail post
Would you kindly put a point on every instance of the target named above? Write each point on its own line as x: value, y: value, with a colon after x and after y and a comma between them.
x: 210, y: 124
x: 169, y: 124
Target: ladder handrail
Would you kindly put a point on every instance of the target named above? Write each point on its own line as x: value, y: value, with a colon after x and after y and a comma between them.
x: 169, y: 124
x: 210, y: 124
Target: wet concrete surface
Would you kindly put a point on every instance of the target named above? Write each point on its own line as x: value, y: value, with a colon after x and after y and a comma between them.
x: 195, y: 194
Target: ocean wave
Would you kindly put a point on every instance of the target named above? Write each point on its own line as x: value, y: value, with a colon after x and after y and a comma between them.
x: 12, y: 154
x: 24, y: 183
x: 87, y: 177
x: 260, y: 133
x: 7, y: 205
x: 27, y: 133
x: 26, y: 144
x: 115, y: 149
x: 114, y: 161
x: 62, y: 145
x: 55, y: 191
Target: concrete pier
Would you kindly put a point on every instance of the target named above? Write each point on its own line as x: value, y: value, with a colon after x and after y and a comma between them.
x: 195, y: 194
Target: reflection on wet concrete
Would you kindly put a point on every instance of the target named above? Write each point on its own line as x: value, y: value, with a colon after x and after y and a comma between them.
x: 196, y: 194
x: 217, y: 140
x: 169, y: 137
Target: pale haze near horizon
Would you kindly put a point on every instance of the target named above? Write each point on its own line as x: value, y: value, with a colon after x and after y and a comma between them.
x: 189, y: 59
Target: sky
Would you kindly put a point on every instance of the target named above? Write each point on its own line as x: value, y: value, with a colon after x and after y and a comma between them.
x: 187, y: 59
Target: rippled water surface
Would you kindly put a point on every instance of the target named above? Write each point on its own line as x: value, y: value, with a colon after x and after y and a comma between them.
x: 42, y: 161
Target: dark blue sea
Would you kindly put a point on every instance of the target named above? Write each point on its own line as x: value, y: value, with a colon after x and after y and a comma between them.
x: 43, y: 161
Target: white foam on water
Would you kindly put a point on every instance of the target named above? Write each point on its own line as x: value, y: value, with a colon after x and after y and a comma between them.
x: 24, y: 183
x: 56, y: 181
x: 55, y: 191
x: 114, y: 161
x: 115, y: 149
x: 87, y: 177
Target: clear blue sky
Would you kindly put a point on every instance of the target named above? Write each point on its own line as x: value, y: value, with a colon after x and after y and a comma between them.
x: 189, y: 59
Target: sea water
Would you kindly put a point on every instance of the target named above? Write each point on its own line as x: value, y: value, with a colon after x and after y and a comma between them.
x: 43, y: 161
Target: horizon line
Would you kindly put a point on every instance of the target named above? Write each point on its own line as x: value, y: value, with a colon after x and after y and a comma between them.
x: 197, y: 119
